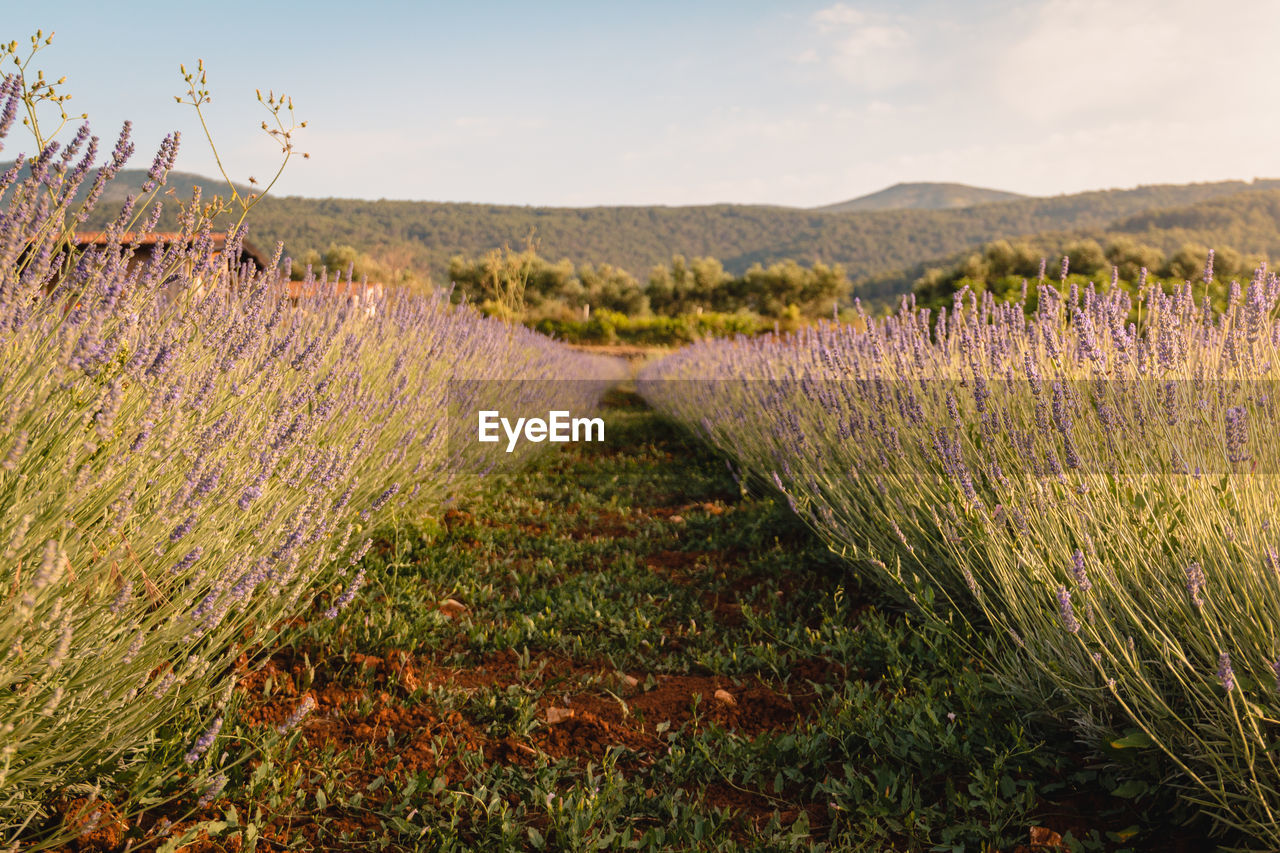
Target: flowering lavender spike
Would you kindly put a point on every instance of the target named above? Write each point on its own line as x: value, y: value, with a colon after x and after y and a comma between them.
x: 348, y: 595
x: 1237, y: 434
x: 1195, y: 584
x: 211, y: 791
x: 203, y: 743
x: 1078, y: 571
x: 1065, y: 610
x: 359, y: 553
x: 307, y: 705
x: 188, y: 561
x: 1226, y: 674
x: 182, y: 529
x: 16, y: 450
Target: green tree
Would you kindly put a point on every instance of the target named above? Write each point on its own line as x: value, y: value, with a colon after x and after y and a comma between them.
x: 1187, y: 263
x: 1129, y: 257
x: 1087, y: 257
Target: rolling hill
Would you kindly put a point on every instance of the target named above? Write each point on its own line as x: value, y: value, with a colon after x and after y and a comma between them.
x: 921, y: 196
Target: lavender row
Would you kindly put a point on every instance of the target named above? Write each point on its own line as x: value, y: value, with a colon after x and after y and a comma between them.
x: 1093, y: 484
x: 188, y: 457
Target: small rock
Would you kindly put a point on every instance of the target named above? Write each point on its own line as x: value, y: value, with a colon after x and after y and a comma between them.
x: 630, y: 681
x: 451, y: 607
x: 555, y: 716
x: 1043, y: 838
x: 724, y: 697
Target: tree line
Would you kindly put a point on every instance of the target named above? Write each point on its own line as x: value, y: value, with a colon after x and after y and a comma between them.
x: 532, y: 287
x: 1001, y: 266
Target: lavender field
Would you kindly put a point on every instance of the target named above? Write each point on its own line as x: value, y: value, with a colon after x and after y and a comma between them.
x: 307, y: 549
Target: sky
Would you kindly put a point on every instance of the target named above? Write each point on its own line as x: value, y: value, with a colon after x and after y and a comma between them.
x: 686, y: 102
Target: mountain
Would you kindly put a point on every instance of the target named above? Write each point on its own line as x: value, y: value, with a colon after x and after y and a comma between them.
x: 870, y: 244
x: 921, y: 196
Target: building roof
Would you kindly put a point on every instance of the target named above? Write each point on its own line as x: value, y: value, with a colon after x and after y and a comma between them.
x: 248, y: 251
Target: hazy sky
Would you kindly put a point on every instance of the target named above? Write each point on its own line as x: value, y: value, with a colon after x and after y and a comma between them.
x: 687, y: 102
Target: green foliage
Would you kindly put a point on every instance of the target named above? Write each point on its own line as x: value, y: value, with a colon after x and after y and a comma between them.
x: 1087, y: 257
x: 882, y: 250
x: 508, y: 282
x: 341, y: 260
x: 1130, y: 257
x: 703, y: 285
x: 1001, y: 268
x: 610, y: 327
x: 592, y: 303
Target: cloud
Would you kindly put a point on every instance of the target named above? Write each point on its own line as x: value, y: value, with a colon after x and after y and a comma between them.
x: 873, y: 52
x: 839, y: 15
x: 1077, y: 58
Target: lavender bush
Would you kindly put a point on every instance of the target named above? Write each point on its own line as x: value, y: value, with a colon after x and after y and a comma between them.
x: 1095, y: 481
x: 187, y: 457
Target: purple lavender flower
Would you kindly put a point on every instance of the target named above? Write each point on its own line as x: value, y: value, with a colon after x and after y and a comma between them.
x: 380, y: 501
x: 251, y: 494
x: 203, y: 743
x: 134, y: 648
x: 307, y: 705
x: 1195, y: 584
x: 160, y: 364
x: 347, y: 596
x: 1226, y: 674
x: 1078, y: 571
x: 1237, y: 433
x: 211, y: 791
x: 182, y: 529
x: 1065, y: 610
x: 63, y: 647
x: 359, y: 553
x: 141, y: 438
x: 188, y: 561
x: 123, y: 597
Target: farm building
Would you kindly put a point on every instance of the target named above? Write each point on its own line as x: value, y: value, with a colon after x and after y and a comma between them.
x: 249, y: 254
